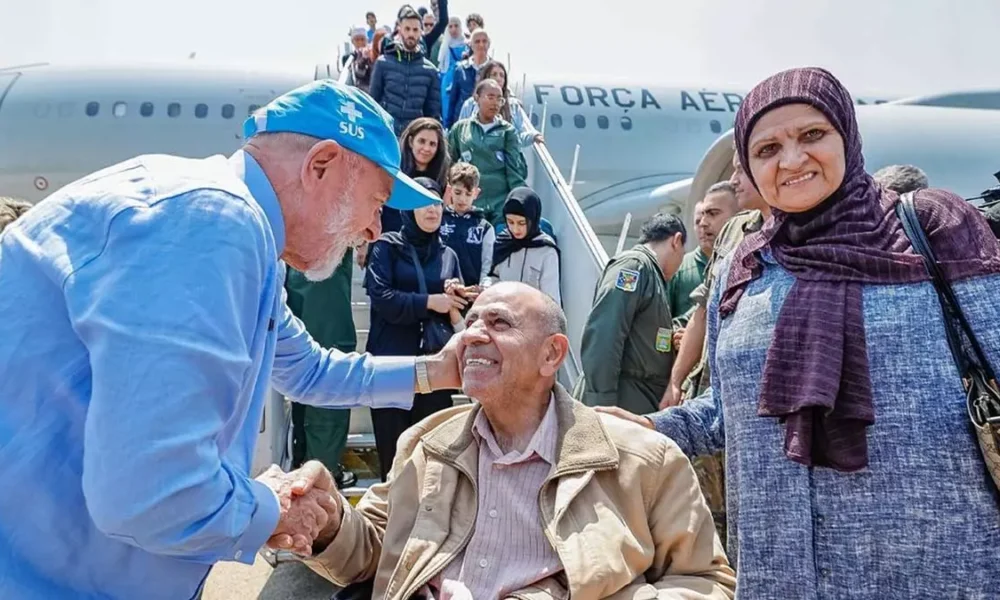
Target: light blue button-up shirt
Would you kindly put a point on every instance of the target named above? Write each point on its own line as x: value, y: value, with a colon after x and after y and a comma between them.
x: 142, y: 321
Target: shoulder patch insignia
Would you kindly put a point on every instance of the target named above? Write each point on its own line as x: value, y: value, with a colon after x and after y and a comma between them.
x: 628, y: 280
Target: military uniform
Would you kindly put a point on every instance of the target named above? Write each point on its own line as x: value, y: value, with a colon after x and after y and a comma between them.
x: 325, y: 309
x: 689, y: 276
x: 627, y: 349
x: 710, y: 469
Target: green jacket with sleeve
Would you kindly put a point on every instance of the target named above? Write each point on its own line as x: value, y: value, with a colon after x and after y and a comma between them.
x: 627, y: 350
x: 688, y: 277
x: 496, y: 151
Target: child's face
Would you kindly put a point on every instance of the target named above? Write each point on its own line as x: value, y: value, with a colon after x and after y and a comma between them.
x: 518, y: 226
x: 462, y: 198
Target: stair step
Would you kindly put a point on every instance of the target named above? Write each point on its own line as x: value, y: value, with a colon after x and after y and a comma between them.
x: 360, y: 440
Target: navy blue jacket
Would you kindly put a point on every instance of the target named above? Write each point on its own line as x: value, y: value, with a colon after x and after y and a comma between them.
x: 464, y: 234
x: 406, y: 84
x: 397, y: 307
x: 463, y: 85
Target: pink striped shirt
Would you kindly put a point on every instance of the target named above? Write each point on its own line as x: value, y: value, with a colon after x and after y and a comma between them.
x: 508, y: 550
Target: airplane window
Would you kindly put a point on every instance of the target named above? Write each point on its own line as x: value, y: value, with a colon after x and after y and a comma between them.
x: 119, y: 109
x: 93, y: 108
x: 174, y: 109
x: 146, y: 109
x: 556, y: 120
x: 580, y: 121
x: 627, y: 123
x: 716, y: 126
x: 228, y: 110
x: 535, y: 119
x: 252, y: 109
x: 602, y: 122
x: 201, y: 111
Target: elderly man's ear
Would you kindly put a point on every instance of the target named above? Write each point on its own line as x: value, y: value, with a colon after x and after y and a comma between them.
x: 554, y: 352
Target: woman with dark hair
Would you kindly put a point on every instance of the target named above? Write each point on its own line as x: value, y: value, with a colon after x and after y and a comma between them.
x: 852, y: 469
x: 512, y: 111
x: 522, y: 252
x: 424, y: 153
x: 409, y: 279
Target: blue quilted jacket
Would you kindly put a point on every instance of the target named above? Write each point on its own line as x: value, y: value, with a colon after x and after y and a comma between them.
x: 406, y: 85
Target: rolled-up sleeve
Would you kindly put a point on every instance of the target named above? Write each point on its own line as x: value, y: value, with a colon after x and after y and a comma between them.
x: 167, y: 311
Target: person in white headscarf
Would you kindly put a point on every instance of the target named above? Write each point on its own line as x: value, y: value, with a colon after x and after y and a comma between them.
x: 453, y: 45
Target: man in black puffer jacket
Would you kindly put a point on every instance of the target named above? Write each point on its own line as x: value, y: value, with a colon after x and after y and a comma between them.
x: 403, y: 81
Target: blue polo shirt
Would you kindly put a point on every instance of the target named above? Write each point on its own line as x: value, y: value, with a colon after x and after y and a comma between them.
x: 142, y: 321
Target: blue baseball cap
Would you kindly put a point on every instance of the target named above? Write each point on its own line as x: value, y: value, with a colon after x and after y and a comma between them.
x: 329, y: 110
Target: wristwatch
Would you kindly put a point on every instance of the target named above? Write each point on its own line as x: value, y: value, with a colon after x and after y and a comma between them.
x: 423, y: 380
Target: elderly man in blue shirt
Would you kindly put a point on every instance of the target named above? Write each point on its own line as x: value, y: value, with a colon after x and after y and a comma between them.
x: 143, y: 322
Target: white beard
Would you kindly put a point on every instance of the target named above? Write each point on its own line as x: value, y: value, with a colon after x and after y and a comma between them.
x: 336, y: 227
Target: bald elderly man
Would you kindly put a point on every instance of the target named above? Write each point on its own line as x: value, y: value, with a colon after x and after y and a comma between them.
x: 143, y: 322
x: 459, y: 516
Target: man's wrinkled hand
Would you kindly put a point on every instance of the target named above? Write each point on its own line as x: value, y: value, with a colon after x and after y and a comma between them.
x: 621, y: 413
x: 443, y: 369
x: 306, y: 505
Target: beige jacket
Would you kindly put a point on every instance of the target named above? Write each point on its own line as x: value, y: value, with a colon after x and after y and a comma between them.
x: 622, y: 509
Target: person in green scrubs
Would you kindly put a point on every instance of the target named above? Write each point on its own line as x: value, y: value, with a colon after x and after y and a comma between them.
x: 325, y: 309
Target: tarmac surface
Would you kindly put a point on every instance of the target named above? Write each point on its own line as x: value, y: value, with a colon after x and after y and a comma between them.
x: 236, y: 581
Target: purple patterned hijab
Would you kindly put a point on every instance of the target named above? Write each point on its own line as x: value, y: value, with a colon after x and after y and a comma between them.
x: 816, y: 377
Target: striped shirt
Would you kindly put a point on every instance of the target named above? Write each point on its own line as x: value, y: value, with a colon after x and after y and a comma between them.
x: 508, y: 550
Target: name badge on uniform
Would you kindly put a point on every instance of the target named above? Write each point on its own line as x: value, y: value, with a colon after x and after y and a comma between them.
x: 628, y: 280
x: 467, y: 155
x: 664, y: 339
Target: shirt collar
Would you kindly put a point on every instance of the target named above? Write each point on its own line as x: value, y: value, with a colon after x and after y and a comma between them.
x: 543, y: 442
x: 249, y: 170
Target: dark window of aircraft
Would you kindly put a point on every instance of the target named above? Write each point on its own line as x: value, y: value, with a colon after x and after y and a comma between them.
x: 120, y: 109
x: 580, y: 121
x: 93, y: 108
x: 146, y: 109
x: 602, y: 122
x: 627, y: 123
x: 42, y: 110
x: 716, y: 126
x: 535, y: 120
x: 201, y: 111
x: 174, y: 109
x: 228, y: 110
x: 252, y: 109
x: 556, y: 120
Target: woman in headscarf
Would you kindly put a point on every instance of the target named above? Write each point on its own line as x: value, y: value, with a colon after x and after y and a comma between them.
x: 512, y: 111
x: 851, y: 467
x: 402, y: 314
x: 522, y: 252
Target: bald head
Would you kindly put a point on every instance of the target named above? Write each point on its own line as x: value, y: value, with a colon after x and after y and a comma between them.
x: 546, y: 316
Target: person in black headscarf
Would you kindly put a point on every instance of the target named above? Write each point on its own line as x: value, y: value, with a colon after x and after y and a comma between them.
x: 852, y: 468
x: 406, y: 320
x: 522, y: 252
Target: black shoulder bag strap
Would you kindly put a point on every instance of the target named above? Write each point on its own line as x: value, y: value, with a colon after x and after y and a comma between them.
x: 976, y: 373
x: 419, y: 268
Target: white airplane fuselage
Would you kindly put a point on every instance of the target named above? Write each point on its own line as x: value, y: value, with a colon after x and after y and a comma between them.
x: 58, y: 123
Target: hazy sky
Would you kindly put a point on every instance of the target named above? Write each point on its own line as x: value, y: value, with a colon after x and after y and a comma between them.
x: 874, y: 46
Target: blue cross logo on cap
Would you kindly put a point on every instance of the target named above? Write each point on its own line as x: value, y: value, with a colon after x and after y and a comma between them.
x: 330, y: 111
x: 351, y: 111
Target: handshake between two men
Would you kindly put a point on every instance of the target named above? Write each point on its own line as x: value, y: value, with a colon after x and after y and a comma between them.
x: 309, y: 507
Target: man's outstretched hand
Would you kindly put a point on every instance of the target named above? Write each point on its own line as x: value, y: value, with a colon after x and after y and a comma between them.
x: 307, y: 505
